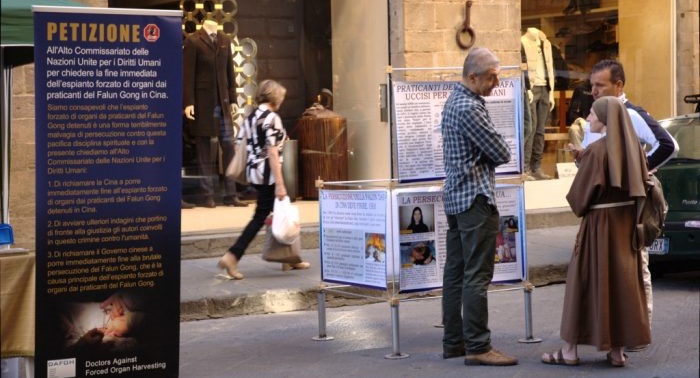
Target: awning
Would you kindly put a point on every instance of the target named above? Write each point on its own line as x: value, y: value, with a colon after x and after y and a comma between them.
x: 17, y: 20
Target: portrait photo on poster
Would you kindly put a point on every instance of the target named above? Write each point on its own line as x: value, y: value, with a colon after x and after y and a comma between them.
x: 417, y: 219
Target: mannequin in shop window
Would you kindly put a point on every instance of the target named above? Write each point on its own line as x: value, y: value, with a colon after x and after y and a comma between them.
x: 539, y: 81
x: 209, y: 90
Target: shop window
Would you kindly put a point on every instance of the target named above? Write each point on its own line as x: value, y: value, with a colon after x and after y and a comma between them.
x: 582, y: 32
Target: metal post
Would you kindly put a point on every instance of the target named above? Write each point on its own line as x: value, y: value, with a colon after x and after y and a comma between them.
x: 322, y: 318
x: 396, y: 354
x: 527, y: 290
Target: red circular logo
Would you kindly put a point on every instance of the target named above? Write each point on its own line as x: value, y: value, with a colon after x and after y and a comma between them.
x: 151, y: 32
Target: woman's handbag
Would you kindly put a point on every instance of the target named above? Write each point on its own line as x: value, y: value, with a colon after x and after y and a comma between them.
x: 236, y: 168
x: 275, y: 251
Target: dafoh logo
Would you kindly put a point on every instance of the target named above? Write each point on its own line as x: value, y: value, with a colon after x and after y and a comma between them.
x: 64, y: 368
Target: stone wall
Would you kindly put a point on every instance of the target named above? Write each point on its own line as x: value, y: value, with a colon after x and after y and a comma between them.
x: 423, y: 33
x: 688, y: 52
x: 22, y: 163
x: 22, y: 196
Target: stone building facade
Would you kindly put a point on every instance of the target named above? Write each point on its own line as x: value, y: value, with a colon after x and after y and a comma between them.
x: 421, y: 33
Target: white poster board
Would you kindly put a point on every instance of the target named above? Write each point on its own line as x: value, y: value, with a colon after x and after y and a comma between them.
x: 420, y: 256
x: 354, y: 236
x: 419, y: 237
x: 418, y: 113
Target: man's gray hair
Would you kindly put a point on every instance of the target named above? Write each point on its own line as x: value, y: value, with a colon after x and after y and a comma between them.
x: 478, y: 61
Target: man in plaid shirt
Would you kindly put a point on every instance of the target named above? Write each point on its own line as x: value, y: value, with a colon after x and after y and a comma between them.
x: 472, y: 150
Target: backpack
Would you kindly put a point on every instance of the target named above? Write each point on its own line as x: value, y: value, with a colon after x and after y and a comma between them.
x: 651, y: 213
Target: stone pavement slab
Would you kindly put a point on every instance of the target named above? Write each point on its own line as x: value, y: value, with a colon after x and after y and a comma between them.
x: 280, y: 345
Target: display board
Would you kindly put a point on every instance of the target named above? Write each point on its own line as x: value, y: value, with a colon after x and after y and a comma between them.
x: 108, y: 156
x: 417, y: 116
x: 354, y: 236
x: 369, y: 238
x: 422, y: 250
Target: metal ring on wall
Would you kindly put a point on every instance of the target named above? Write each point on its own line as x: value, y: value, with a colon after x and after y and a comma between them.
x: 472, y: 38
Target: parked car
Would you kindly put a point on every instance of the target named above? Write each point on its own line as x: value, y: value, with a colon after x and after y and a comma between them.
x: 680, y: 178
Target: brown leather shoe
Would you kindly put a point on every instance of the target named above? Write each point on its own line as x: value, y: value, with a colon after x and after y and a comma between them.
x: 491, y: 358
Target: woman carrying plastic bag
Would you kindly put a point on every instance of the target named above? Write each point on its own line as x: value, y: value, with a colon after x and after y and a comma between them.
x: 264, y: 171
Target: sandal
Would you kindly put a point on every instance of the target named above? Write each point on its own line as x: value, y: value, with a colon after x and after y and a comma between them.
x: 229, y: 264
x: 301, y: 265
x: 614, y: 362
x: 557, y: 358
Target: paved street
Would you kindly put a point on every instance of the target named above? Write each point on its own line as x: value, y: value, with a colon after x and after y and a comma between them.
x: 280, y: 345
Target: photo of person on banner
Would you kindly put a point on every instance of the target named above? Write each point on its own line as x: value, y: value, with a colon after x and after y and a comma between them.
x: 422, y: 254
x: 416, y: 219
x: 417, y: 253
x: 505, y: 240
x: 116, y: 324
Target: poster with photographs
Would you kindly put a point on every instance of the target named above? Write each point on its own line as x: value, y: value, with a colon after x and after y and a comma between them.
x: 417, y: 115
x: 420, y: 226
x: 354, y: 238
x: 510, y: 255
x: 420, y: 230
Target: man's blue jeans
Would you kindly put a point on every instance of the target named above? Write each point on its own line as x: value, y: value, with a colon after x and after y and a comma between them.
x: 471, y: 247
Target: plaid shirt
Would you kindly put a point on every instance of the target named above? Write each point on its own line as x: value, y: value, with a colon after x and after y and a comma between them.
x: 472, y: 149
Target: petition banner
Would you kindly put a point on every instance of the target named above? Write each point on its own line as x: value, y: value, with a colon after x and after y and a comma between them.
x: 108, y: 157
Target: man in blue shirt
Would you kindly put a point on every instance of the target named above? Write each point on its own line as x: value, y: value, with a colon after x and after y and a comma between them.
x: 472, y: 150
x: 608, y: 79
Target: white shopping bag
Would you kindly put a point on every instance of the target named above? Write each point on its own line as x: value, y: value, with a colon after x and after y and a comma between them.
x: 285, y: 221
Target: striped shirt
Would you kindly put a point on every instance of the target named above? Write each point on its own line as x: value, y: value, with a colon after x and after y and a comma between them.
x: 472, y: 149
x: 272, y: 134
